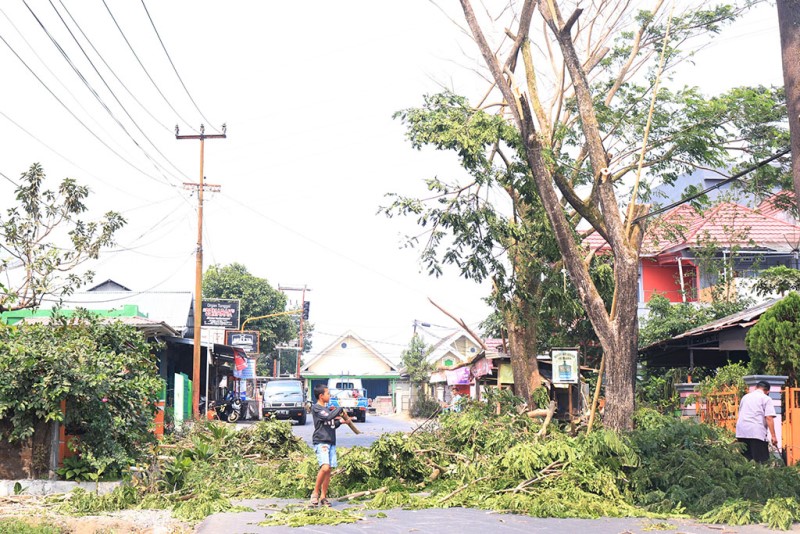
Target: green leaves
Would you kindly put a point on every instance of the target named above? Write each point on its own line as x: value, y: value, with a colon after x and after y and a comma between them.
x: 105, y: 373
x: 27, y: 232
x: 774, y: 341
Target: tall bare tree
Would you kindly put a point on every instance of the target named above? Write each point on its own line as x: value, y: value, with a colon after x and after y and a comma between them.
x: 587, y: 60
x: 789, y: 23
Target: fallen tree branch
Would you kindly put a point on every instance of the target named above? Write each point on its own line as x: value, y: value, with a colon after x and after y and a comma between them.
x: 550, y: 411
x: 358, y: 494
x: 462, y: 488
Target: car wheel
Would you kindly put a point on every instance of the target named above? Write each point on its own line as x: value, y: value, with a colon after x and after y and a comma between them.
x: 303, y: 419
x: 362, y: 418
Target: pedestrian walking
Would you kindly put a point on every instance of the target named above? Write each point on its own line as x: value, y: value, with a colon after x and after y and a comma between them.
x: 756, y: 423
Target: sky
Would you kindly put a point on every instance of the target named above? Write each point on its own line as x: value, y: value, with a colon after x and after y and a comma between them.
x: 307, y: 91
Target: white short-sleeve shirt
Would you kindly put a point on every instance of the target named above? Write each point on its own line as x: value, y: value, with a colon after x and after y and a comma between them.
x: 755, y: 407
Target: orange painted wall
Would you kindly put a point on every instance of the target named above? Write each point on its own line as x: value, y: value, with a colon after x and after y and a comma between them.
x: 663, y: 279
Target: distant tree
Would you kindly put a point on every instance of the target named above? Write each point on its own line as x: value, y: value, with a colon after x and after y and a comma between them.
x: 779, y: 279
x: 258, y: 298
x: 42, y: 241
x: 774, y: 341
x: 666, y: 319
x: 419, y: 369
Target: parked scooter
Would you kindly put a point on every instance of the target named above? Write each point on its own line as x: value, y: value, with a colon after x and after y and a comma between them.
x: 230, y: 409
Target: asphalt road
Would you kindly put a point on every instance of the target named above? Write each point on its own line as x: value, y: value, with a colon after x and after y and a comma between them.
x: 370, y: 430
x: 460, y: 520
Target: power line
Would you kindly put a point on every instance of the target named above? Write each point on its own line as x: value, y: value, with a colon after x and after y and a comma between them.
x: 126, y: 297
x: 715, y: 186
x: 323, y: 246
x: 9, y: 179
x: 74, y: 116
x: 113, y: 94
x: 174, y: 68
x: 57, y: 153
x: 93, y: 91
x: 145, y: 69
x: 54, y: 75
x: 144, y: 108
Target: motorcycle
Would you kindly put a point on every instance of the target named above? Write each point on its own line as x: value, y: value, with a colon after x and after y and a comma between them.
x: 230, y: 409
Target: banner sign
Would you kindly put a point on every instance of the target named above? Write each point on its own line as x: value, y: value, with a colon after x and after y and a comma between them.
x: 246, y: 340
x: 565, y: 366
x: 457, y: 376
x: 221, y: 313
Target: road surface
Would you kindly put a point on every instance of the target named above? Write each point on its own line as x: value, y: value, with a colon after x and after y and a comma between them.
x: 460, y: 520
x: 371, y: 430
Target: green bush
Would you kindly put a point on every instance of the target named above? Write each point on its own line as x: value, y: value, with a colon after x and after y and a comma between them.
x: 106, y: 373
x: 424, y: 407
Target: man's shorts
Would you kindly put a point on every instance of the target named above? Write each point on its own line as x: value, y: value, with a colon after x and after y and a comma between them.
x: 326, y: 454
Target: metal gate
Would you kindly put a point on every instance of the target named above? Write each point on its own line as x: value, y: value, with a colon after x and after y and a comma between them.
x: 790, y: 429
x: 720, y: 409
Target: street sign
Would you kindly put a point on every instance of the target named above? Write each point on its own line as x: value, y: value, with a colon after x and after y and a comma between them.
x: 221, y: 313
x: 565, y: 366
x: 246, y: 340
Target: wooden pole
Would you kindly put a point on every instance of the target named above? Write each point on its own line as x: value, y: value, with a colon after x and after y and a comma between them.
x: 198, y: 277
x: 596, y: 397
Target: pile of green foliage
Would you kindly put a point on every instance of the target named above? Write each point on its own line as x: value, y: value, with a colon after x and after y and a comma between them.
x: 474, y: 458
x: 198, y: 473
x: 106, y: 374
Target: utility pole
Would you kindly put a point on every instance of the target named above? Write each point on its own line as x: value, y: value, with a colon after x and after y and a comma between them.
x: 789, y: 26
x: 198, y: 282
x: 303, y: 317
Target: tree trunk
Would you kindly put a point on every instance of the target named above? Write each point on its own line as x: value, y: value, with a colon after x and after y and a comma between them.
x: 522, y: 346
x: 789, y: 24
x: 621, y: 353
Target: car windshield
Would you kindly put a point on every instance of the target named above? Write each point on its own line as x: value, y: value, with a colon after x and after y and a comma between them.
x: 289, y: 387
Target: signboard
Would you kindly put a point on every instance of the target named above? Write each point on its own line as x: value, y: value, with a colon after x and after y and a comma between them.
x: 249, y: 370
x: 221, y: 313
x: 246, y: 340
x: 212, y: 335
x: 565, y: 366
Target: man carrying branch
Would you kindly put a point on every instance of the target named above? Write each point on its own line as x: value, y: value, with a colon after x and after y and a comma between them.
x: 326, y: 420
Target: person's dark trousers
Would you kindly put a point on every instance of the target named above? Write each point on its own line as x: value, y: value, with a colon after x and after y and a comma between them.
x: 755, y: 449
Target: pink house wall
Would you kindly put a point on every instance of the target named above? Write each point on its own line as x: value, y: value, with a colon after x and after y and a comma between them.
x: 664, y: 280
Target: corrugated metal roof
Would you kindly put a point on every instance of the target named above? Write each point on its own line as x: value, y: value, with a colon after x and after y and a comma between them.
x: 741, y: 319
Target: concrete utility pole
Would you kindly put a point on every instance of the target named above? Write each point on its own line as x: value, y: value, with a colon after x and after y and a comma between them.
x: 789, y: 24
x: 198, y: 282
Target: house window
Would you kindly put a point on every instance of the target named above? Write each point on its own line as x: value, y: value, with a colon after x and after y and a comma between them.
x: 344, y: 344
x: 448, y: 362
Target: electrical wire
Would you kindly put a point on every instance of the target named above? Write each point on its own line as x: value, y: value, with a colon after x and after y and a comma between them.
x: 74, y: 116
x: 144, y: 108
x: 175, y: 68
x: 57, y: 153
x: 323, y: 246
x: 128, y: 294
x: 114, y: 95
x: 145, y: 69
x: 55, y: 76
x: 715, y: 186
x: 96, y: 94
x: 9, y: 179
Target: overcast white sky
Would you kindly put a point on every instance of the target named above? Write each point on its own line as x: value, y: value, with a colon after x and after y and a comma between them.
x: 307, y: 90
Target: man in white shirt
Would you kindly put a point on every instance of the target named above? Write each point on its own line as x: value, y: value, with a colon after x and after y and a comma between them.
x: 756, y: 417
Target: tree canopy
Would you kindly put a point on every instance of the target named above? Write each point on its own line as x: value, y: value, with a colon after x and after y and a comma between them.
x: 574, y: 112
x: 257, y: 297
x: 42, y: 241
x: 774, y: 341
